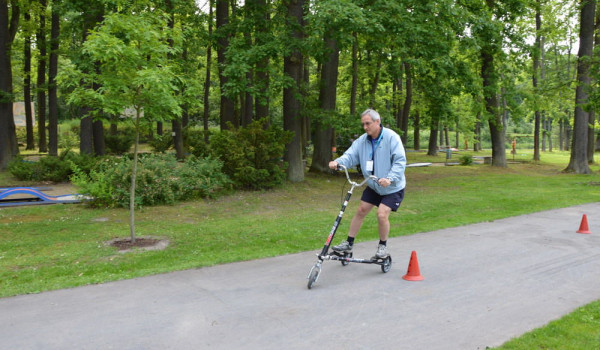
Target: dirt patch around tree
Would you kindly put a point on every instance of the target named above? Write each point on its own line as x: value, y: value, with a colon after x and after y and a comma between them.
x: 125, y: 245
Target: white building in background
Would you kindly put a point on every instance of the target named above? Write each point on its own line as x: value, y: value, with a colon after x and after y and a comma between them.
x: 19, y: 113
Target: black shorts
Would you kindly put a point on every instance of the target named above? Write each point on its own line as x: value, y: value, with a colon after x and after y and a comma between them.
x: 392, y: 200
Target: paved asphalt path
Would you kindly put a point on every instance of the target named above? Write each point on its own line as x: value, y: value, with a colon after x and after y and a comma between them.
x: 484, y: 284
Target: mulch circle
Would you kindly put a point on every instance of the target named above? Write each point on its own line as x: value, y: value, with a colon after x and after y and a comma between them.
x: 141, y: 243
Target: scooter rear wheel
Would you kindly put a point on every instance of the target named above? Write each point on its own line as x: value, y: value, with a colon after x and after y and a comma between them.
x: 387, y: 264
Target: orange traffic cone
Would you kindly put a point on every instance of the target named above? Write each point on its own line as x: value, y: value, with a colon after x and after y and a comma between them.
x: 584, y: 228
x: 413, y: 273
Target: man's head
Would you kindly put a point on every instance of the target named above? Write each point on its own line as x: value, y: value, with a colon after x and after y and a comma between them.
x: 371, y: 122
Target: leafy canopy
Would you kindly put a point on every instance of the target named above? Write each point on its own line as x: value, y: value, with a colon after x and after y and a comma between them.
x: 129, y: 66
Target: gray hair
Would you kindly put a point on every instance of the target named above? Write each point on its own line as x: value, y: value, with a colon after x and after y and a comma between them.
x: 372, y: 113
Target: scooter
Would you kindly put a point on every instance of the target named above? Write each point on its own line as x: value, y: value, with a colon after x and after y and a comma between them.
x: 344, y: 258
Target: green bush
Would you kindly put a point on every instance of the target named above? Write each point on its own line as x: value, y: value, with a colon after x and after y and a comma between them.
x: 120, y: 143
x: 49, y: 168
x: 54, y: 169
x: 199, y: 178
x: 161, y: 143
x: 466, y: 159
x: 252, y: 156
x: 195, y: 144
x: 21, y: 132
x: 22, y: 169
x: 68, y: 140
x: 161, y: 179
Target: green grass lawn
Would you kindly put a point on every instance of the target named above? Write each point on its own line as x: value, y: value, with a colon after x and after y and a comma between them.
x: 60, y: 246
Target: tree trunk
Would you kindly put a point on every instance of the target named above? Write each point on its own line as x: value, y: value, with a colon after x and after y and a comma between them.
x: 134, y: 177
x: 323, y: 141
x: 292, y: 67
x: 375, y: 82
x: 407, y: 102
x: 417, y: 132
x: 8, y: 28
x: 41, y: 79
x: 536, y: 68
x: 52, y: 89
x: 227, y: 111
x: 98, y: 136
x: 86, y: 136
x: 306, y: 124
x: 446, y: 136
x: 247, y: 98
x: 491, y: 106
x: 592, y: 117
x: 261, y: 101
x: 27, y: 88
x: 457, y: 136
x: 248, y: 106
x: 568, y: 135
x: 561, y: 133
x: 159, y: 128
x: 176, y: 128
x: 354, y: 86
x: 477, y: 134
x: 548, y: 130
x: 206, y: 99
x: 579, y: 158
x: 433, y: 135
x: 178, y: 138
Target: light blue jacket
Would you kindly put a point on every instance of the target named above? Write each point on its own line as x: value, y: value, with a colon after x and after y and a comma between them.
x: 389, y: 160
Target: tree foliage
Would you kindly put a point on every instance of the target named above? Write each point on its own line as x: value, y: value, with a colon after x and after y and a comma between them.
x: 464, y: 66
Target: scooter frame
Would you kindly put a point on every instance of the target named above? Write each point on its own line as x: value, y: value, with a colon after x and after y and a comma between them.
x: 344, y: 258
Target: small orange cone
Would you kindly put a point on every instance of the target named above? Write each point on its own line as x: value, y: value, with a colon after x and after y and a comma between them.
x: 584, y: 228
x: 413, y: 273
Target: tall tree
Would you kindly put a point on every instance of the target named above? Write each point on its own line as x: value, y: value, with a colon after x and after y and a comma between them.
x: 593, y: 140
x: 407, y: 102
x: 323, y: 140
x: 176, y: 124
x: 52, y: 88
x: 493, y: 28
x: 206, y: 93
x: 490, y: 88
x: 27, y: 84
x: 262, y: 76
x: 227, y: 113
x: 134, y: 73
x: 91, y: 132
x: 578, y: 162
x: 41, y: 87
x: 333, y: 23
x: 536, y: 67
x: 354, y: 85
x: 9, y: 21
x: 292, y: 67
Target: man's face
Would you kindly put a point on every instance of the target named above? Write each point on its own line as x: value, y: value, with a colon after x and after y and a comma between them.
x: 371, y: 127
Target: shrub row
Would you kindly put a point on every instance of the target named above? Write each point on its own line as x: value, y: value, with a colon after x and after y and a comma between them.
x: 245, y: 158
x: 160, y: 179
x: 55, y: 169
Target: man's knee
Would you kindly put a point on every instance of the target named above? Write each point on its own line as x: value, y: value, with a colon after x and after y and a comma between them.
x: 363, y: 209
x: 383, y: 212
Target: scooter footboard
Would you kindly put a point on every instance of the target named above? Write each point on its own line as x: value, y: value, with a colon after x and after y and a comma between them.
x: 352, y: 260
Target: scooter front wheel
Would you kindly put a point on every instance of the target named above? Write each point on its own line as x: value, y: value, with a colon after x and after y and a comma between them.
x: 313, y: 276
x: 387, y: 264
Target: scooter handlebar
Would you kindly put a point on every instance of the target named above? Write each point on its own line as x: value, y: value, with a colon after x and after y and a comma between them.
x: 372, y: 177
